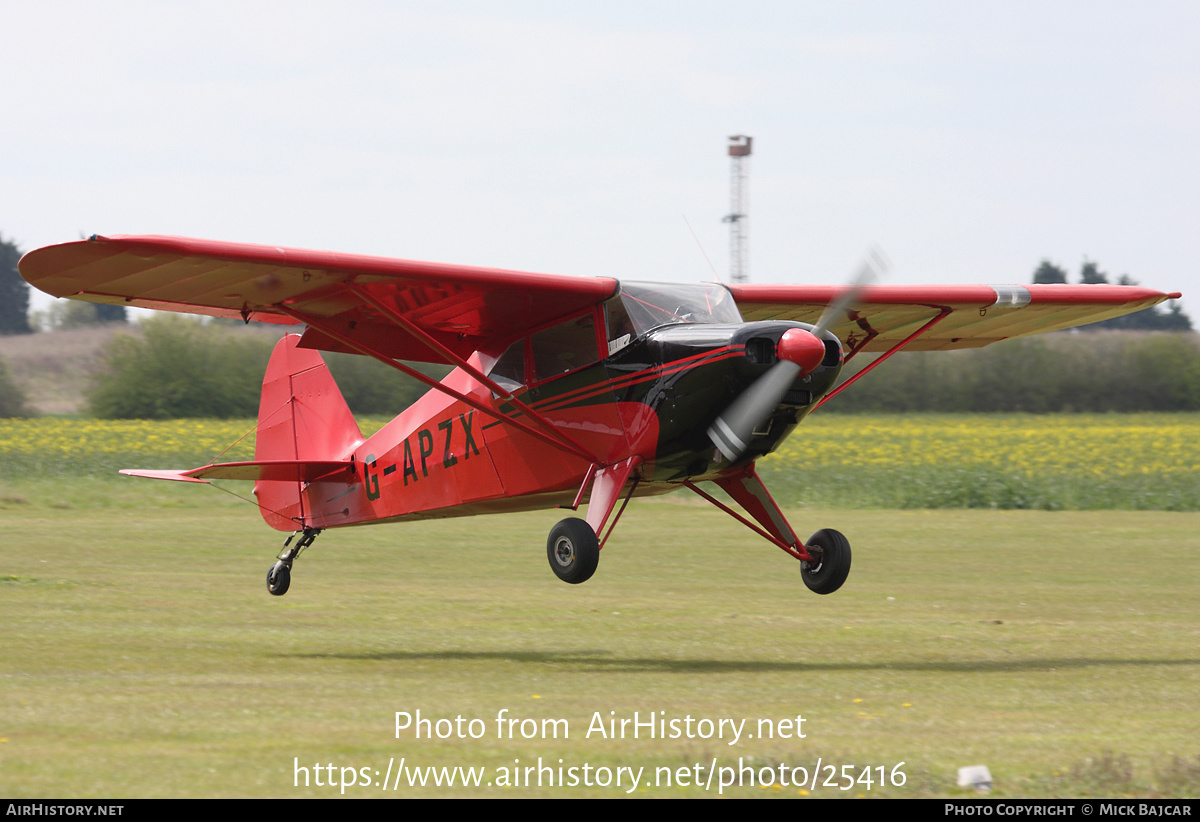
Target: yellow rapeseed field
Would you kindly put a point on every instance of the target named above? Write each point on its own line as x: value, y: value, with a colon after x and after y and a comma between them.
x: 987, y: 460
x: 1095, y: 445
x: 50, y: 441
x: 48, y: 438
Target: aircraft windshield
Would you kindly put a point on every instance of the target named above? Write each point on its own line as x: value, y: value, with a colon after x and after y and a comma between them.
x: 653, y: 304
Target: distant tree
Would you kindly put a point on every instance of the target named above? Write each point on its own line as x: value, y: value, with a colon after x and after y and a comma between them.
x: 1176, y: 320
x: 14, y: 292
x: 1148, y: 319
x: 180, y: 367
x: 64, y: 314
x: 12, y: 398
x: 1091, y: 274
x: 370, y: 387
x: 1048, y: 272
x: 110, y: 313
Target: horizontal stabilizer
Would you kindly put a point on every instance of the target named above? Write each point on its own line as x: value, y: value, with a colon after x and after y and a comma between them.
x: 265, y: 470
x: 179, y: 475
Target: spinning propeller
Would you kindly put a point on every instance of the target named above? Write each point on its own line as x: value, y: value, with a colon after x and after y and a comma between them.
x: 798, y: 352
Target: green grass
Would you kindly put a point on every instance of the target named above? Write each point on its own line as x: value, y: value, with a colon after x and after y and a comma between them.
x: 143, y: 657
x: 997, y: 461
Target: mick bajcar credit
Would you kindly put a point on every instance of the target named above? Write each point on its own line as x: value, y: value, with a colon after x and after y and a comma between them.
x: 1077, y: 808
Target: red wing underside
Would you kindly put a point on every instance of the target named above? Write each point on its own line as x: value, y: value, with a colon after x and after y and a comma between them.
x: 464, y: 308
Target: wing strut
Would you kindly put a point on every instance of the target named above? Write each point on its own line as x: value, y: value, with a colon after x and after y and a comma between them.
x: 945, y: 313
x: 558, y: 441
x: 749, y: 491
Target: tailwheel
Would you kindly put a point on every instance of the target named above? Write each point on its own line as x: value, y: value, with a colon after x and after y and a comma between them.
x: 831, y: 561
x: 279, y: 576
x: 279, y: 579
x: 573, y: 550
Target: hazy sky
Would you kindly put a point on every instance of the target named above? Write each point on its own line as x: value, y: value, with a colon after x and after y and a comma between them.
x: 969, y: 140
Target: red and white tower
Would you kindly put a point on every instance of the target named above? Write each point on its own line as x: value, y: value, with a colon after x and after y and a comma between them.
x: 739, y: 241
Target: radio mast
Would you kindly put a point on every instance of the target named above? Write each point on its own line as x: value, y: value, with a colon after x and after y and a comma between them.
x: 739, y: 243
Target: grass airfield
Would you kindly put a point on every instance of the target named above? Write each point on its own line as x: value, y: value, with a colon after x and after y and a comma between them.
x: 143, y: 657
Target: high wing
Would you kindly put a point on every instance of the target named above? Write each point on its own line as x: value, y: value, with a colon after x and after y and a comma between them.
x: 395, y: 307
x: 399, y: 307
x: 966, y: 316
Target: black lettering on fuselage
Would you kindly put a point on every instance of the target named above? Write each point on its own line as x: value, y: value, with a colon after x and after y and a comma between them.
x: 409, y: 466
x: 425, y: 444
x: 470, y: 443
x: 425, y: 450
x: 448, y: 459
x: 372, y: 479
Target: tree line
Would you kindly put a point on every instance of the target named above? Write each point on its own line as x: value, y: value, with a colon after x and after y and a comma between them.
x: 180, y: 367
x: 1068, y: 371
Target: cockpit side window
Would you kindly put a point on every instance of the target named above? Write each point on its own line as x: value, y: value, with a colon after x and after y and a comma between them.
x: 549, y: 353
x: 564, y: 347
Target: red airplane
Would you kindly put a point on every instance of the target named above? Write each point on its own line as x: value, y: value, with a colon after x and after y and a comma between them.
x: 566, y: 390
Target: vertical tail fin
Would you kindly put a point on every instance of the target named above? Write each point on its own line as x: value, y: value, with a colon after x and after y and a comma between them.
x: 301, y: 416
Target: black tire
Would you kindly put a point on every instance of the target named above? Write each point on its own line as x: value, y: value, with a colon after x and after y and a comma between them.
x: 831, y: 565
x: 573, y: 551
x: 279, y: 579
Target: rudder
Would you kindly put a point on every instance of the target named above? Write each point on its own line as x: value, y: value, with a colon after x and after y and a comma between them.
x: 301, y: 416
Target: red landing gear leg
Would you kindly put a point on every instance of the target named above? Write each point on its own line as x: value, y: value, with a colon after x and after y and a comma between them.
x: 824, y: 559
x: 573, y: 547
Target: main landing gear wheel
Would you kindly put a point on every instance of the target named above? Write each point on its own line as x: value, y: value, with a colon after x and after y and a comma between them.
x: 831, y: 561
x: 573, y: 550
